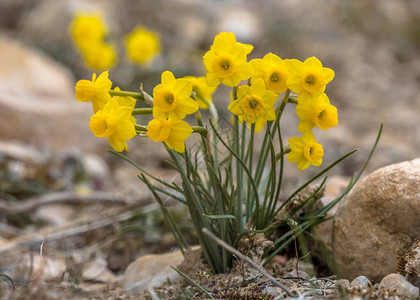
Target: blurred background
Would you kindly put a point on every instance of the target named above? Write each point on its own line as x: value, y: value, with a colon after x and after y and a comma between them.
x: 45, y: 141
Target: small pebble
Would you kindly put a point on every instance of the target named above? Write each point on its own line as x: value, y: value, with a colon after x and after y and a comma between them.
x: 403, y: 288
x: 361, y: 281
x: 343, y: 283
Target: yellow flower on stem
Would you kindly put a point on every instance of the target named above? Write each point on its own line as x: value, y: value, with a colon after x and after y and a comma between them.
x: 171, y: 98
x: 142, y: 45
x: 273, y: 70
x: 308, y: 79
x: 172, y: 132
x: 202, y: 91
x: 87, y: 29
x: 95, y: 91
x: 254, y: 103
x: 319, y: 112
x: 305, y: 151
x: 100, y: 56
x: 126, y: 101
x: 115, y: 123
x: 226, y: 61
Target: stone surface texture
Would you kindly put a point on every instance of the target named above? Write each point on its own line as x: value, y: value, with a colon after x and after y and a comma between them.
x: 361, y: 281
x: 150, y: 271
x: 404, y: 289
x: 378, y: 221
x: 37, y: 101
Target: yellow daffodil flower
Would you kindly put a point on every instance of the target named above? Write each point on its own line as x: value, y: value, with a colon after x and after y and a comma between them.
x: 172, y: 132
x: 115, y: 123
x: 95, y: 91
x: 126, y: 101
x: 254, y: 102
x: 305, y: 151
x: 142, y: 45
x: 273, y: 70
x: 308, y: 79
x: 100, y: 56
x: 87, y: 29
x: 171, y: 98
x: 202, y: 90
x: 226, y: 61
x: 319, y: 112
x: 259, y: 125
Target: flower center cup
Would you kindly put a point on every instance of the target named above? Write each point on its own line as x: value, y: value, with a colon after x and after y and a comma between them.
x: 85, y: 91
x: 165, y: 100
x: 313, y: 152
x: 325, y: 117
x: 313, y: 81
x: 253, y: 106
x: 101, y: 126
x: 223, y: 66
x: 158, y: 131
x: 275, y: 81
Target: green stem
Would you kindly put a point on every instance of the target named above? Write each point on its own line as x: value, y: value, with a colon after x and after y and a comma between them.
x: 140, y: 127
x: 141, y: 96
x: 285, y: 151
x: 292, y: 100
x: 127, y: 94
x: 238, y: 176
x: 200, y: 130
x: 251, y: 154
x: 142, y: 111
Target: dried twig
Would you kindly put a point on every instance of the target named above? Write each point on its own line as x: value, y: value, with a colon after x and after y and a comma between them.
x: 59, y: 197
x: 247, y: 259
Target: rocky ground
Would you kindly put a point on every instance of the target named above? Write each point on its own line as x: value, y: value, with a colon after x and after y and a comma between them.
x: 74, y: 217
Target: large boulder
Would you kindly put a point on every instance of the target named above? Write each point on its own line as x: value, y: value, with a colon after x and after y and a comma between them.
x: 378, y: 221
x: 37, y: 101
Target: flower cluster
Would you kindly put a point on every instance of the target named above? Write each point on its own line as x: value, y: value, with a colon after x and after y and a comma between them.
x: 226, y: 63
x: 308, y: 79
x: 89, y: 32
x: 142, y: 45
x: 238, y: 191
x: 112, y: 117
x: 171, y: 104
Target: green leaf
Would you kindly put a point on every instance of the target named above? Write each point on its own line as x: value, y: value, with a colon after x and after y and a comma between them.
x: 215, y: 217
x: 192, y: 281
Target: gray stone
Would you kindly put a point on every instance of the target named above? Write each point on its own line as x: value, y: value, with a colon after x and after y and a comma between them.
x: 403, y: 288
x: 37, y: 101
x: 360, y: 281
x: 378, y: 221
x: 150, y: 271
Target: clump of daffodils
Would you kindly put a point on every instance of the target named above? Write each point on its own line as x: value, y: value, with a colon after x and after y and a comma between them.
x: 239, y: 192
x: 89, y: 34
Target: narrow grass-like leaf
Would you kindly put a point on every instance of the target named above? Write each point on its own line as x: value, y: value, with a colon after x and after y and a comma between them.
x: 311, y: 196
x: 255, y: 190
x: 192, y: 281
x: 217, y: 217
x: 354, y: 180
x: 142, y: 170
x: 314, y: 178
x: 179, y: 238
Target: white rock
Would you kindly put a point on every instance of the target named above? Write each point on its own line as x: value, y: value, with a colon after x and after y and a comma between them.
x: 37, y: 101
x: 151, y: 270
x: 378, y: 221
x: 97, y: 271
x: 403, y: 288
x: 361, y: 281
